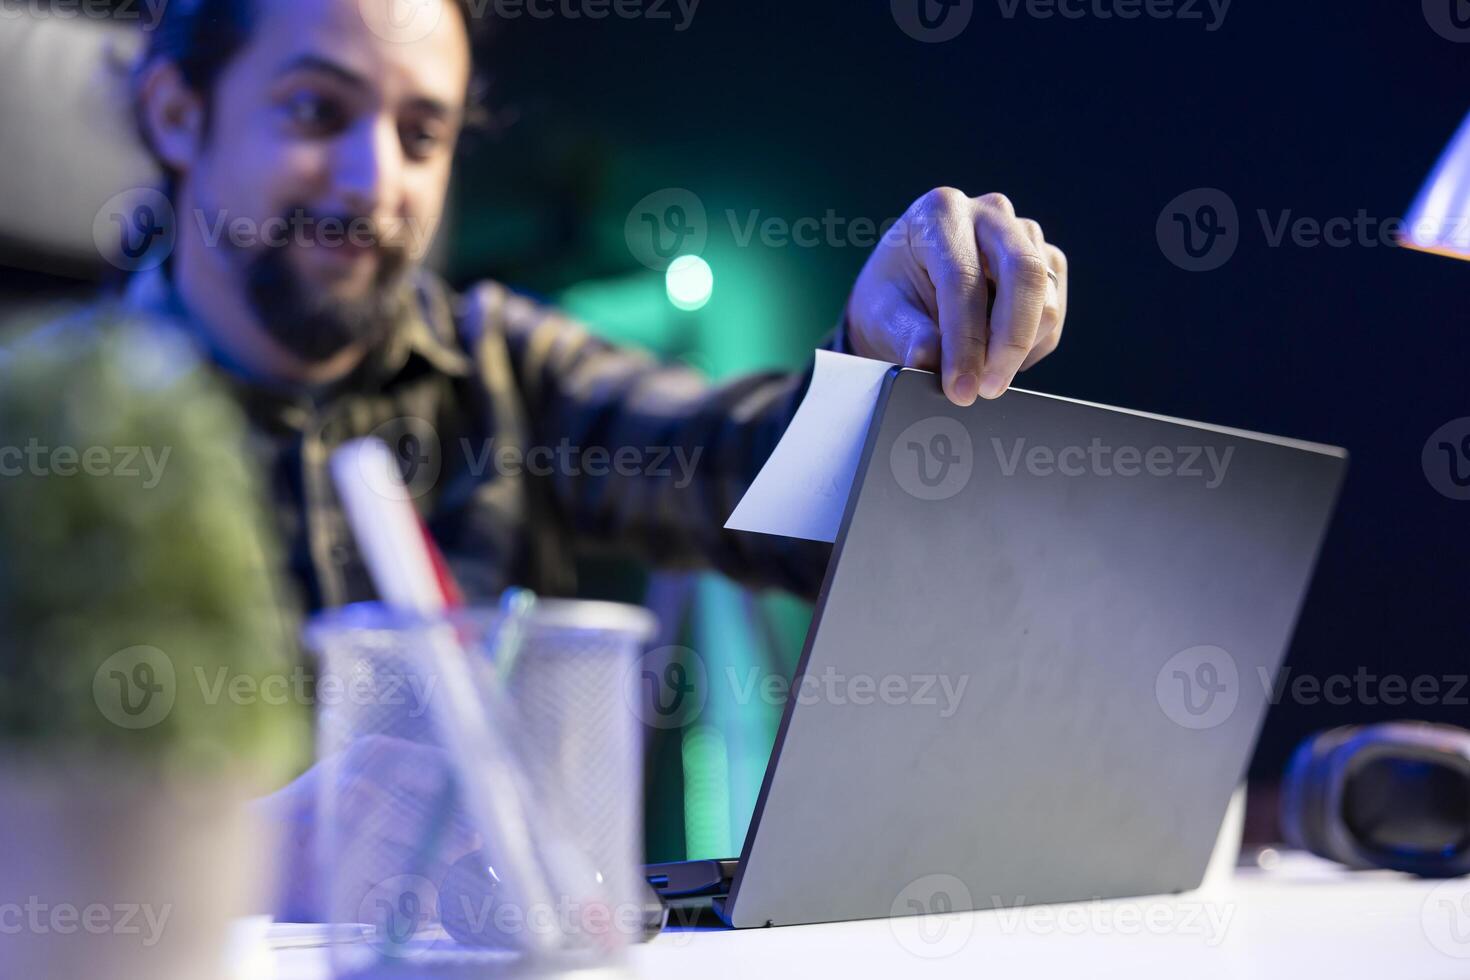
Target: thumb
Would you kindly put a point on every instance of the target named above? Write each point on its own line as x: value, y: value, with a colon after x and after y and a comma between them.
x: 923, y: 349
x: 911, y: 337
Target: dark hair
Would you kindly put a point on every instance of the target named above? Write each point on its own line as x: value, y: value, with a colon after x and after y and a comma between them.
x: 201, y: 37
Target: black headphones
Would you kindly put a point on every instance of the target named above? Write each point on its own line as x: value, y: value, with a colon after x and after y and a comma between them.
x: 1395, y: 796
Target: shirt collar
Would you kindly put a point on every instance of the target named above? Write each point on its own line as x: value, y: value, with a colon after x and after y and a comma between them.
x: 427, y: 329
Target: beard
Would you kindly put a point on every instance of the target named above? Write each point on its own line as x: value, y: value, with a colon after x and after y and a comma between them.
x: 309, y: 320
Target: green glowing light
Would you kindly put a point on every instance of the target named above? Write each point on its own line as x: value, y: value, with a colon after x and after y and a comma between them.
x: 690, y: 282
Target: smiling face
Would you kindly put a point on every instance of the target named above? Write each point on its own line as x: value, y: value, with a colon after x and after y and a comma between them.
x: 316, y: 173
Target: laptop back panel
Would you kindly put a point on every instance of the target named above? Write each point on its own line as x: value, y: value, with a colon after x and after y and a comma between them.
x: 1039, y: 662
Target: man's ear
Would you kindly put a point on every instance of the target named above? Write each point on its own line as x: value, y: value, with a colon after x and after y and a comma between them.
x: 173, y: 115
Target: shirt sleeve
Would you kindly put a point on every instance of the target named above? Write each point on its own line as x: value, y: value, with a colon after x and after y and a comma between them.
x: 649, y: 459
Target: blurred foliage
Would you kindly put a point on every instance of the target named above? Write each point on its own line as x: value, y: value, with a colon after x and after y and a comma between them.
x: 164, y: 546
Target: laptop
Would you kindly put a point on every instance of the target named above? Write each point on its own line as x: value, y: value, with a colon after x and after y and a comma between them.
x: 1037, y: 665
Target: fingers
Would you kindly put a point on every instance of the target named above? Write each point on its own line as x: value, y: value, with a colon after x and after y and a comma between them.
x: 1051, y: 313
x: 910, y: 336
x: 994, y: 300
x: 1048, y: 343
x: 1021, y: 293
x: 943, y: 239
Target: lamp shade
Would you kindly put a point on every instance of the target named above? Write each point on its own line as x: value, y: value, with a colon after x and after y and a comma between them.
x: 1439, y: 221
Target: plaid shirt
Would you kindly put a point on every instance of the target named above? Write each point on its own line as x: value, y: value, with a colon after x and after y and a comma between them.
x: 525, y: 441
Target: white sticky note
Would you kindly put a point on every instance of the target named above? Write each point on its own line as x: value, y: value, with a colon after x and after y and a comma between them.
x: 802, y: 490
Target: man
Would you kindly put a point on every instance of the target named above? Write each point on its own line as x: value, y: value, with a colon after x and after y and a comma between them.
x: 308, y: 148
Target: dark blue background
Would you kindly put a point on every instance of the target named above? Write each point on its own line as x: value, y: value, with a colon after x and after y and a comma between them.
x: 1091, y: 126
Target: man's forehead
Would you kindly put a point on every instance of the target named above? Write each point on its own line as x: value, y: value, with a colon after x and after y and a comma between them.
x: 424, y: 55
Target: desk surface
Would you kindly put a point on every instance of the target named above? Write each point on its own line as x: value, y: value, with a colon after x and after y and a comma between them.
x: 1303, y: 919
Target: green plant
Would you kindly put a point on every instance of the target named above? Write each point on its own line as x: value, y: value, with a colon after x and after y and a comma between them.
x: 131, y: 532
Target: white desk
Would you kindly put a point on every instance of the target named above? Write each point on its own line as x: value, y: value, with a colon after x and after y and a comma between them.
x: 1306, y: 919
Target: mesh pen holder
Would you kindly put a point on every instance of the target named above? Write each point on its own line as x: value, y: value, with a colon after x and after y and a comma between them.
x: 472, y: 809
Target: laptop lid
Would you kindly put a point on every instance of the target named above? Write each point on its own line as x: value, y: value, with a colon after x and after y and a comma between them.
x: 1039, y: 661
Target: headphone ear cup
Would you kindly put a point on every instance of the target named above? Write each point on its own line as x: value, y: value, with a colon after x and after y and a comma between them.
x: 1304, y: 794
x: 1391, y: 795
